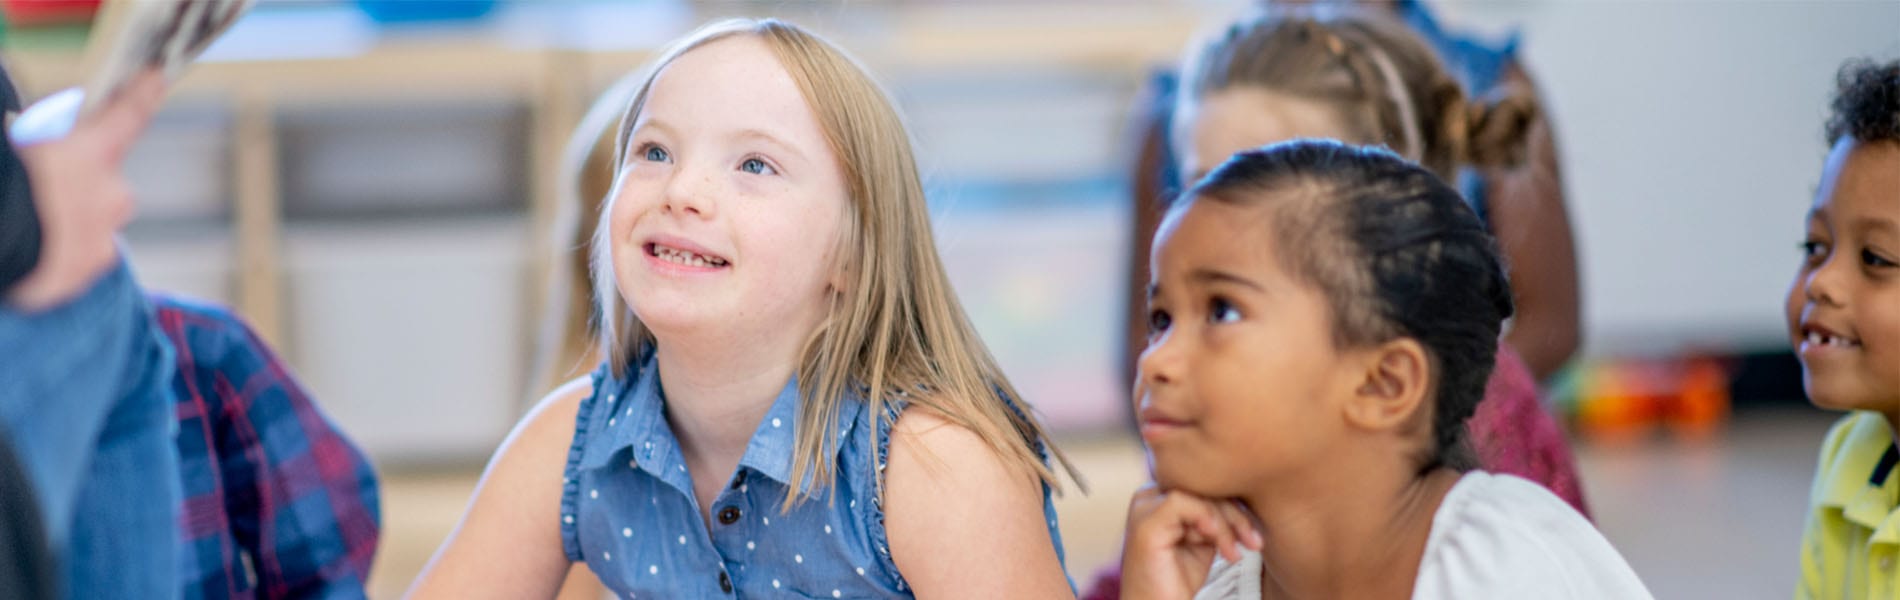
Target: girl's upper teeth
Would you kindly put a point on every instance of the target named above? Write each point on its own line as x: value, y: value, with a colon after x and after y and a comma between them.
x: 678, y: 256
x: 1818, y: 338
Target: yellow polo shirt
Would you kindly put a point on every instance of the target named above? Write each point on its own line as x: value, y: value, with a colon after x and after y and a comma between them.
x: 1853, y: 532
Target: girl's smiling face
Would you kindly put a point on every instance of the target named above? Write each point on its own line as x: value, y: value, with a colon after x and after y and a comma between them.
x: 730, y: 205
x: 1844, y: 307
x: 1242, y: 381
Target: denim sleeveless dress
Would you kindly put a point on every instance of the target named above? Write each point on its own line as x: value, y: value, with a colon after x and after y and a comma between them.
x: 628, y: 509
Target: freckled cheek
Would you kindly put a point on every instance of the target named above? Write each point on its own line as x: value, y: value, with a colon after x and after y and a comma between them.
x: 769, y: 245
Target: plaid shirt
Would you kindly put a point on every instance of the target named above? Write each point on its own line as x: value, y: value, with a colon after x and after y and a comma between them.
x: 277, y: 503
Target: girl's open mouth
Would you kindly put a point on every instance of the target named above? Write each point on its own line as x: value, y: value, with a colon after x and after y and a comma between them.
x: 684, y: 257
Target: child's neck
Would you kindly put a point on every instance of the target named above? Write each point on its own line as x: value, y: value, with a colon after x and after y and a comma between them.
x: 1892, y: 415
x: 717, y: 391
x: 1355, y: 536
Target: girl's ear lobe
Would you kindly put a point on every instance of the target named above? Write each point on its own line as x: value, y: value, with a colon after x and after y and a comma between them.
x: 1395, y: 382
x: 839, y: 277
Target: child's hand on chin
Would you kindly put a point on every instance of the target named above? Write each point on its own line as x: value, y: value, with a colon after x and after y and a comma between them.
x: 1172, y: 538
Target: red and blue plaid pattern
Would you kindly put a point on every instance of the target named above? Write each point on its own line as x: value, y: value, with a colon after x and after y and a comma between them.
x: 277, y: 503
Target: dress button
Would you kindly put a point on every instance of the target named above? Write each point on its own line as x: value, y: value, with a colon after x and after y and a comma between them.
x: 728, y: 515
x: 725, y: 582
x: 1886, y: 563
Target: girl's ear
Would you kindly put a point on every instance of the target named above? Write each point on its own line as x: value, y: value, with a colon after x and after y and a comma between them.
x: 840, y: 276
x: 1395, y: 382
x: 842, y: 266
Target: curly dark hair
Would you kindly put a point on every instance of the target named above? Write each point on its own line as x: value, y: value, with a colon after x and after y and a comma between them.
x: 1866, y: 103
x: 1396, y: 251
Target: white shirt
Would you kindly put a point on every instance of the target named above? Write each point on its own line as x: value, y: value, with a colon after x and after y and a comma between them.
x: 1494, y: 536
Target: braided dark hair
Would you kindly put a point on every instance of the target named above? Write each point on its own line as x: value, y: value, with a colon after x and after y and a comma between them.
x: 1866, y: 103
x: 1397, y: 253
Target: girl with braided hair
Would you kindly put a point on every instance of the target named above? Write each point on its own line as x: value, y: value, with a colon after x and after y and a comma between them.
x: 1323, y: 319
x: 1360, y: 78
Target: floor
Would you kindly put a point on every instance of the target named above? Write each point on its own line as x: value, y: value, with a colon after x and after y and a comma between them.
x: 1704, y: 516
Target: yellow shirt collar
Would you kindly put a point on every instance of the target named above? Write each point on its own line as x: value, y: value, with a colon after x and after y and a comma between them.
x: 1850, y: 483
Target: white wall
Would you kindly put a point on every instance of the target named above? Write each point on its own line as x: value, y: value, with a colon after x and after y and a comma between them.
x: 1692, y: 140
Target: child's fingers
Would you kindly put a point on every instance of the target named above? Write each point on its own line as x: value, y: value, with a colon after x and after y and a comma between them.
x: 1164, y: 518
x: 1172, y: 518
x: 1207, y: 526
x: 125, y: 115
x: 1243, y: 522
x: 1144, y: 503
x: 1150, y: 528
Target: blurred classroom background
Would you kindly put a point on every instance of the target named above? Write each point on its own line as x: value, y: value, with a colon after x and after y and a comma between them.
x: 371, y: 183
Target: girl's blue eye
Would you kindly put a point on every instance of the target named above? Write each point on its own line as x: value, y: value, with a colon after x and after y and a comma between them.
x: 757, y: 167
x: 1874, y: 260
x: 655, y: 153
x: 1158, y: 322
x: 1219, y: 310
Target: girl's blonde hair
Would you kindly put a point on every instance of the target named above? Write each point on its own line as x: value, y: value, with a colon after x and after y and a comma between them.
x: 566, y: 343
x: 896, y: 328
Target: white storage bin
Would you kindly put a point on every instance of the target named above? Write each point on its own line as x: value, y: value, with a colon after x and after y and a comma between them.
x: 410, y: 333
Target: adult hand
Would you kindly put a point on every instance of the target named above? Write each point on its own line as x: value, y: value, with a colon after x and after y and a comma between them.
x: 81, y: 194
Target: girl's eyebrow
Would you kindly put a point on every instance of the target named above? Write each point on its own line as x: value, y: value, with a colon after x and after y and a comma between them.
x: 762, y: 135
x: 1207, y: 275
x: 654, y: 124
x: 1875, y: 224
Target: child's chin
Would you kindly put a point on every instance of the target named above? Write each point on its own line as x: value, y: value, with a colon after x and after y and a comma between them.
x: 1189, y: 480
x: 1833, y: 394
x: 1170, y: 476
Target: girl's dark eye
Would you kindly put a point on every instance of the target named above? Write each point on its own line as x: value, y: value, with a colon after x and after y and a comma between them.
x: 1158, y: 322
x: 654, y: 153
x: 757, y: 167
x: 1813, y: 250
x: 1874, y: 260
x: 1219, y: 310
